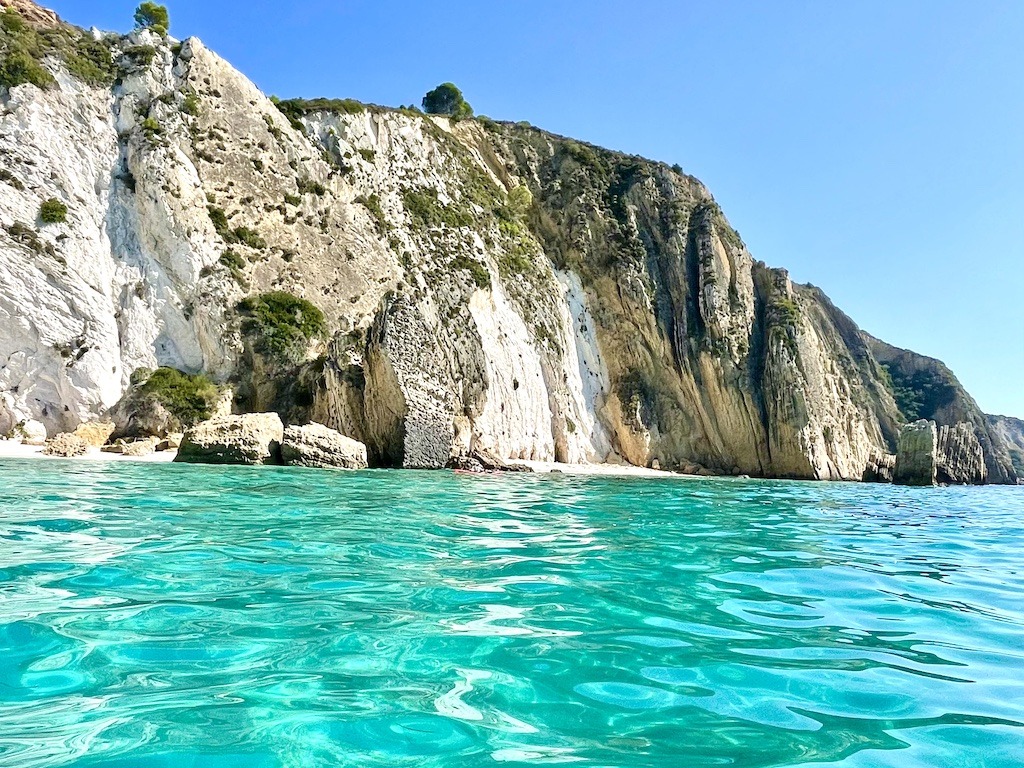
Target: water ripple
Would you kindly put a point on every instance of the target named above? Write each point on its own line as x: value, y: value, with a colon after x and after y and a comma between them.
x: 169, y: 616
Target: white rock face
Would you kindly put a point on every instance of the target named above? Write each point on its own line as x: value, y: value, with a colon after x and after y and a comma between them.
x: 109, y: 290
x: 586, y: 377
x: 33, y: 433
x: 516, y: 417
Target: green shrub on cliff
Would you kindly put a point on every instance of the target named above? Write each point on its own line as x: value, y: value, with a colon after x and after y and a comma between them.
x: 477, y: 270
x: 23, y: 48
x: 53, y: 211
x: 189, y: 398
x: 281, y: 325
x: 19, y: 68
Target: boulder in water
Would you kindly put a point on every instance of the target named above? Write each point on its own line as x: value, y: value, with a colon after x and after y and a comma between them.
x: 315, y: 445
x: 253, y: 438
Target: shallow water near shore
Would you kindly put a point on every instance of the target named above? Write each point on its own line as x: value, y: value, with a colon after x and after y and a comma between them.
x: 166, y: 616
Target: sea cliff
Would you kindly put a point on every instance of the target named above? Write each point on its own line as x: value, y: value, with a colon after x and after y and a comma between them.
x: 472, y: 285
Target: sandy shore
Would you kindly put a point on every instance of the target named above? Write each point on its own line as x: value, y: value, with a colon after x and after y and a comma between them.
x: 622, y: 470
x: 10, y: 449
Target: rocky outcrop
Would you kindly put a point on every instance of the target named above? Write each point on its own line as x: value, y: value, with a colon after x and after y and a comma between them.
x: 960, y: 458
x: 927, y: 389
x: 94, y: 433
x: 32, y: 13
x: 916, y: 462
x: 315, y: 445
x: 253, y: 438
x: 880, y: 468
x: 67, y: 446
x: 485, y: 286
x: 136, y: 415
x: 140, y: 448
x: 927, y: 455
x: 31, y: 432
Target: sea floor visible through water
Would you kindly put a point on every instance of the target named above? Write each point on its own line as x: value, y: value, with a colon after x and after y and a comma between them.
x: 168, y: 616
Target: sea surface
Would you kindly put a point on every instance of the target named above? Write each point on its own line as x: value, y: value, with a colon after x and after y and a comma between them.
x: 166, y: 616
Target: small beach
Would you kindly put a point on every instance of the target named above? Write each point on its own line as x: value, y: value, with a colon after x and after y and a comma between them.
x: 11, y: 449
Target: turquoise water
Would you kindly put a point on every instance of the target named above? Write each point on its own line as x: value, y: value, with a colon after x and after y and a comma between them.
x: 172, y: 616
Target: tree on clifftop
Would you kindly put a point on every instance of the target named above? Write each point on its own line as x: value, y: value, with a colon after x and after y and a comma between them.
x: 152, y: 16
x: 447, y: 99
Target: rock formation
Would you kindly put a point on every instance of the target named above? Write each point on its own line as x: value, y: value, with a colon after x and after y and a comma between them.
x: 483, y: 286
x: 959, y: 456
x: 1010, y: 432
x: 315, y: 445
x: 34, y: 14
x: 928, y: 454
x: 879, y: 468
x: 254, y: 438
x: 66, y: 445
x: 31, y: 432
x: 141, y: 447
x: 916, y: 462
x: 94, y: 433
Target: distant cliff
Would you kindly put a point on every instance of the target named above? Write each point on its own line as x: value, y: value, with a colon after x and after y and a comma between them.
x: 1010, y: 432
x: 482, y: 285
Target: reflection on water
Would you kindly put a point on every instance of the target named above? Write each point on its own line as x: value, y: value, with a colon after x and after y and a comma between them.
x: 170, y: 616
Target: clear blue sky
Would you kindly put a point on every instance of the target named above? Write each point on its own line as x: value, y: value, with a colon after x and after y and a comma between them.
x: 873, y: 148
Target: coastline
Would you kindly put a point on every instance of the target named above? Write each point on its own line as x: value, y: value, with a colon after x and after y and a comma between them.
x: 607, y: 470
x: 10, y: 449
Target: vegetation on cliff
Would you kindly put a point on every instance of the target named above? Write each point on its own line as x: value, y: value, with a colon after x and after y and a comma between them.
x: 152, y: 16
x: 53, y: 211
x: 190, y: 398
x: 24, y: 47
x: 281, y: 325
x: 447, y: 100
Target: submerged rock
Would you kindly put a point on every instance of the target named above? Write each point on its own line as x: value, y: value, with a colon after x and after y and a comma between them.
x: 315, y: 445
x: 253, y: 438
x: 479, y: 460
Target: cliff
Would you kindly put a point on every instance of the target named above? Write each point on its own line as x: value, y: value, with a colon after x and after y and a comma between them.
x: 483, y: 286
x: 1010, y: 432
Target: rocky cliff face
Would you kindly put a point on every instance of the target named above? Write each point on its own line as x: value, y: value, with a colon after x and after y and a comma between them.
x: 1010, y: 432
x: 485, y: 286
x: 924, y: 388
